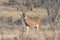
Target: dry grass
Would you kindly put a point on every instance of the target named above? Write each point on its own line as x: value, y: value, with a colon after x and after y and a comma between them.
x: 4, y: 13
x: 37, y: 12
x: 17, y: 34
x: 46, y: 35
x: 15, y: 13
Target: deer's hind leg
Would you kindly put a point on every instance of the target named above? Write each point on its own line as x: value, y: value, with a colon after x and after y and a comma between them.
x: 36, y: 27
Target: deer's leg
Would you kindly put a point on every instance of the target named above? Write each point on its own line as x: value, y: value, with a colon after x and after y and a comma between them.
x: 36, y: 27
x: 27, y: 30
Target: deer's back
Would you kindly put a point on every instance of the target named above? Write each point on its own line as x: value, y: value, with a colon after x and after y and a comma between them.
x: 32, y: 21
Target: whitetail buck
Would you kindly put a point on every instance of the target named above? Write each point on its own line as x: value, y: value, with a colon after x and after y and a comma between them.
x: 33, y: 22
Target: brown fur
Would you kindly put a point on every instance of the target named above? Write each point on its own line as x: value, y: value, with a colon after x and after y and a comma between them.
x: 33, y: 21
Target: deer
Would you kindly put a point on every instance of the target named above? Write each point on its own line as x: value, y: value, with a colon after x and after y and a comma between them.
x: 31, y: 22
